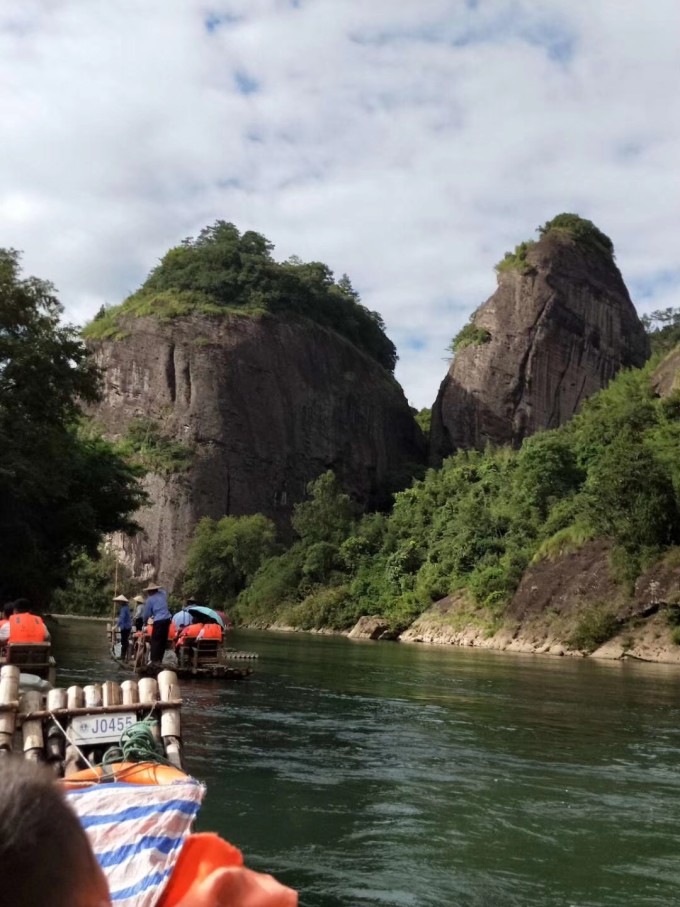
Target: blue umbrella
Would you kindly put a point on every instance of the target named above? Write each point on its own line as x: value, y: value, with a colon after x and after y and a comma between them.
x: 198, y: 612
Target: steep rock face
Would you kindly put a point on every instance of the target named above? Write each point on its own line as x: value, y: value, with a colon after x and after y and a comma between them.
x: 666, y: 377
x: 266, y: 405
x: 556, y: 334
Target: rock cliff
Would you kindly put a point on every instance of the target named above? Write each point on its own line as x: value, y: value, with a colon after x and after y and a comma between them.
x: 264, y: 405
x: 666, y: 376
x: 557, y: 329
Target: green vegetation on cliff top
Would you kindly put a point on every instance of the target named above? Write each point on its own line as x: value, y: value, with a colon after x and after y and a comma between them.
x: 476, y: 524
x: 223, y: 271
x: 583, y: 232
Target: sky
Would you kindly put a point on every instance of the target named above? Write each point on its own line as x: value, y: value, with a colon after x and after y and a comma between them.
x: 407, y: 143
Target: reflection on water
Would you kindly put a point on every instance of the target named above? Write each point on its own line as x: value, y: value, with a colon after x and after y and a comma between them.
x: 381, y: 774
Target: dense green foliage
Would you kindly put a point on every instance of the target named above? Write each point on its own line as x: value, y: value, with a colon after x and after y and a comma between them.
x: 583, y: 232
x: 469, y: 335
x: 479, y: 521
x: 663, y: 329
x: 517, y: 259
x: 146, y: 445
x: 60, y: 489
x: 225, y: 272
x: 595, y: 626
x: 224, y: 556
x: 90, y: 586
x: 423, y: 418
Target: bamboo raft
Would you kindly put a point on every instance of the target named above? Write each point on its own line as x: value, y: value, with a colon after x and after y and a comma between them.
x: 205, y: 659
x: 215, y: 670
x: 56, y: 727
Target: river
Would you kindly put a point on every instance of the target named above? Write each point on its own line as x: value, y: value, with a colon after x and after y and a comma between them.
x: 376, y: 774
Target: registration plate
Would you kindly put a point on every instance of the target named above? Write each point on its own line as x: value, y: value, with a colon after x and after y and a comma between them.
x: 100, y: 728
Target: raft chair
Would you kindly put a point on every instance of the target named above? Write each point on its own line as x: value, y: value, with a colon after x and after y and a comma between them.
x: 30, y: 658
x: 197, y: 652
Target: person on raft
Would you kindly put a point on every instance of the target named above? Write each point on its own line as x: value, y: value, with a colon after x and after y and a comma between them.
x: 23, y: 626
x: 138, y: 617
x: 183, y: 618
x: 45, y: 855
x: 124, y: 624
x: 157, y: 608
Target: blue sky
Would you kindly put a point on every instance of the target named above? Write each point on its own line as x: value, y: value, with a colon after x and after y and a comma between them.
x: 408, y: 144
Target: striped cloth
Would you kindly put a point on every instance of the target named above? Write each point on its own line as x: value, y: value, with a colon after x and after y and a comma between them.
x: 137, y: 832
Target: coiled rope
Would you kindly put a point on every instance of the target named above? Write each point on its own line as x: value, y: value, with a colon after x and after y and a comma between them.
x: 137, y: 744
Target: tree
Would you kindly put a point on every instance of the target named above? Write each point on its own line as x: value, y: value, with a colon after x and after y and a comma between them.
x: 327, y: 516
x: 60, y: 490
x: 630, y: 496
x: 225, y: 554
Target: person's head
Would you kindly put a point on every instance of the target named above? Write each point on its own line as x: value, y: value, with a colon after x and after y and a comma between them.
x: 8, y: 610
x: 150, y: 589
x: 22, y: 606
x: 121, y: 601
x: 45, y: 856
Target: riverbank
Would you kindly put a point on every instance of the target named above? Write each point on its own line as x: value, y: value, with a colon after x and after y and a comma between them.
x: 574, y: 604
x: 79, y: 617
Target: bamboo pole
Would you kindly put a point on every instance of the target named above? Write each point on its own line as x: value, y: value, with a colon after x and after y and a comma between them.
x: 101, y: 710
x: 148, y: 690
x: 75, y: 699
x: 9, y: 692
x: 56, y: 699
x: 93, y: 694
x: 129, y: 692
x: 148, y: 695
x: 32, y: 730
x: 111, y: 694
x: 168, y: 689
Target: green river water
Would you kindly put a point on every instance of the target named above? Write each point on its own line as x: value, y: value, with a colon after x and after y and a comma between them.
x: 375, y: 774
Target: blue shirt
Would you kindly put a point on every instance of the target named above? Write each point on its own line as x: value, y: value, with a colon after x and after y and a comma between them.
x: 182, y: 619
x: 124, y: 619
x: 157, y: 606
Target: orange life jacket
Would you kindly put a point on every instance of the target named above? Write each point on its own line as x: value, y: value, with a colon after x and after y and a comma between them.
x: 210, y: 873
x: 172, y: 632
x: 212, y: 631
x: 27, y: 628
x: 190, y: 632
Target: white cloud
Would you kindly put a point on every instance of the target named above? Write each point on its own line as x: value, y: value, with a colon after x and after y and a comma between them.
x: 408, y: 144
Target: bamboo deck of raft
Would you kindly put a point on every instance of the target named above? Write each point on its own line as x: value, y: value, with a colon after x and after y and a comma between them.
x: 39, y: 724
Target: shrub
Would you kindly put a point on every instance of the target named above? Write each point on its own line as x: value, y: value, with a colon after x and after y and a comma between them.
x: 583, y: 231
x: 566, y: 541
x: 470, y: 335
x: 324, y: 607
x: 146, y: 445
x: 517, y: 260
x: 596, y: 624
